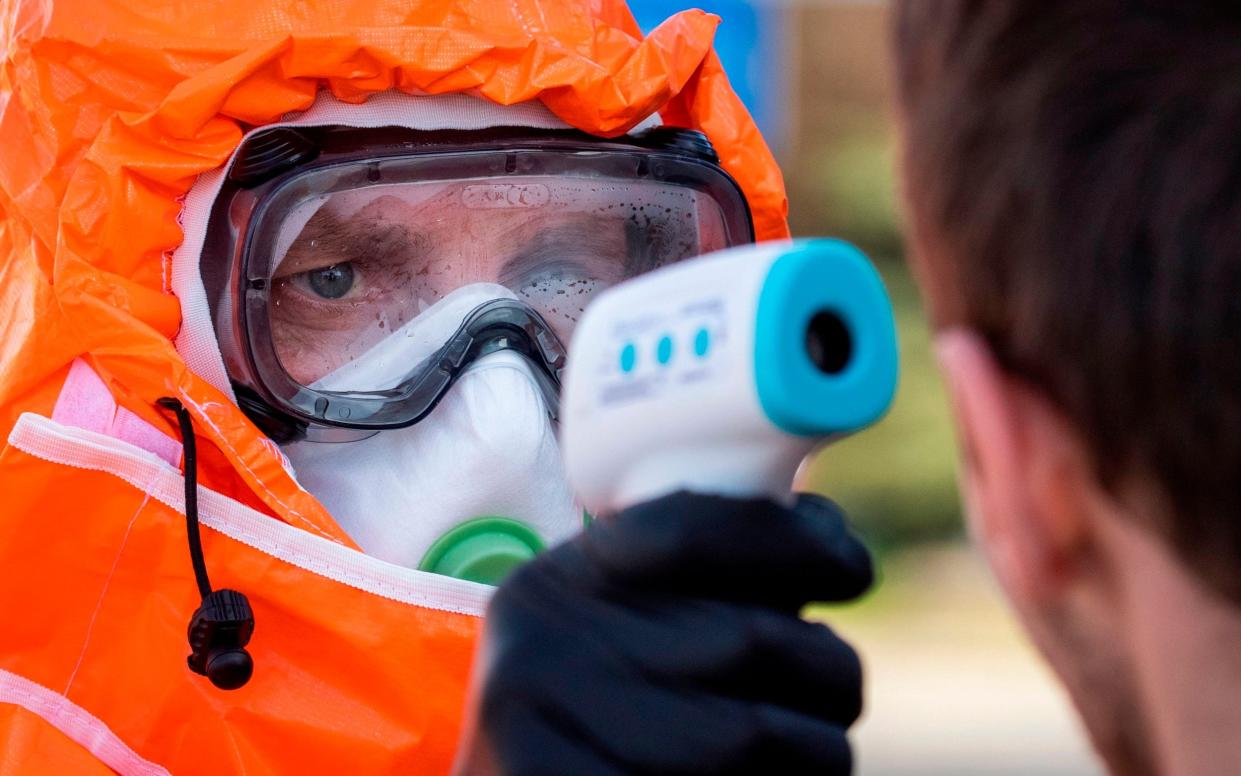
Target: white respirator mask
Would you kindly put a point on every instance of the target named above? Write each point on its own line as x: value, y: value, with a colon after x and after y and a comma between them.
x: 472, y: 490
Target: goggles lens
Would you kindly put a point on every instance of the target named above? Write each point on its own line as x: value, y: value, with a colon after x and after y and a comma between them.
x: 359, y: 276
x: 354, y: 268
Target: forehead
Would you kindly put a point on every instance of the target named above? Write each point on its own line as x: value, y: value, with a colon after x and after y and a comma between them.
x: 443, y: 220
x: 516, y: 195
x: 535, y: 209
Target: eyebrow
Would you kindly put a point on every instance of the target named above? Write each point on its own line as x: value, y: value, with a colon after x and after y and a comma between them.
x: 337, y: 239
x: 329, y: 235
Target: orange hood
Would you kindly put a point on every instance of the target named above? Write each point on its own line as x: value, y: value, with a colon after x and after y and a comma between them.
x: 109, y: 110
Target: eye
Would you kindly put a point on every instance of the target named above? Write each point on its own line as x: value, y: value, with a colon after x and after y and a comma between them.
x: 332, y: 281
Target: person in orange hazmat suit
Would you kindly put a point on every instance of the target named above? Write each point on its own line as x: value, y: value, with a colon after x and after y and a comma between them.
x: 246, y: 250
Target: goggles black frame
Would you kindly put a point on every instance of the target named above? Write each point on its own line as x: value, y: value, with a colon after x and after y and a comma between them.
x: 268, y: 167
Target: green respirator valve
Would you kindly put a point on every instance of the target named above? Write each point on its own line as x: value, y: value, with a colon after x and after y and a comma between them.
x: 482, y: 550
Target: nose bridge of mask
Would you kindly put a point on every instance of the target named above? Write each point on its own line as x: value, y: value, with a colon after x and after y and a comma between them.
x: 397, y: 355
x: 507, y: 359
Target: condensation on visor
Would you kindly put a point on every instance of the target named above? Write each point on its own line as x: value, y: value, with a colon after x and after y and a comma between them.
x: 349, y: 270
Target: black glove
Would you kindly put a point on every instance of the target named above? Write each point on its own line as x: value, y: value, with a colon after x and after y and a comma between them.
x: 667, y: 640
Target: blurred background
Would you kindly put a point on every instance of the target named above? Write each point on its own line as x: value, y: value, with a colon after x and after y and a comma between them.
x: 953, y: 688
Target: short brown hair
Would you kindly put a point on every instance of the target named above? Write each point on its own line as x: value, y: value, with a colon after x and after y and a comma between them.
x: 1074, y: 169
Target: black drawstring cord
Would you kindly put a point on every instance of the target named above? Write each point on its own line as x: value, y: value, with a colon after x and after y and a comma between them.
x: 191, y: 493
x: 222, y: 625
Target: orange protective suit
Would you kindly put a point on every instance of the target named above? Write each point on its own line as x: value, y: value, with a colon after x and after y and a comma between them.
x: 109, y: 110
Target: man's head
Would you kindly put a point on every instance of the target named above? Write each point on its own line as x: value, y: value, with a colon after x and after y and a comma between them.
x: 107, y: 184
x: 1074, y: 187
x: 338, y: 259
x: 412, y: 291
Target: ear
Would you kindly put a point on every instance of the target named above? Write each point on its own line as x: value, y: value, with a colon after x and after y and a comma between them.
x: 1023, y: 474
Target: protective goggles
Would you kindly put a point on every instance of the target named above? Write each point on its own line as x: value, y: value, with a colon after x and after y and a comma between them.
x: 355, y: 274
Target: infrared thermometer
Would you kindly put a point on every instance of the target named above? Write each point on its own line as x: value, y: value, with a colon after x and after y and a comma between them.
x: 720, y: 374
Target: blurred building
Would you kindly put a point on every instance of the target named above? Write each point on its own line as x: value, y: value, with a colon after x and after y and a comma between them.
x: 813, y: 76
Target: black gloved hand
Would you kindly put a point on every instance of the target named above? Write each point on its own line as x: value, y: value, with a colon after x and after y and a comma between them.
x: 667, y: 640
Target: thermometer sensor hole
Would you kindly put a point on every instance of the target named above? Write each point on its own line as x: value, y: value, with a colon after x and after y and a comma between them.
x: 829, y: 343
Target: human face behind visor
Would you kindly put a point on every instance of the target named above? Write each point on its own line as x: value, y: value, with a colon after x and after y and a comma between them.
x: 349, y: 255
x: 368, y: 262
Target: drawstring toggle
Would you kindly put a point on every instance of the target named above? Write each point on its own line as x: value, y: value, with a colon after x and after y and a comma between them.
x: 222, y: 625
